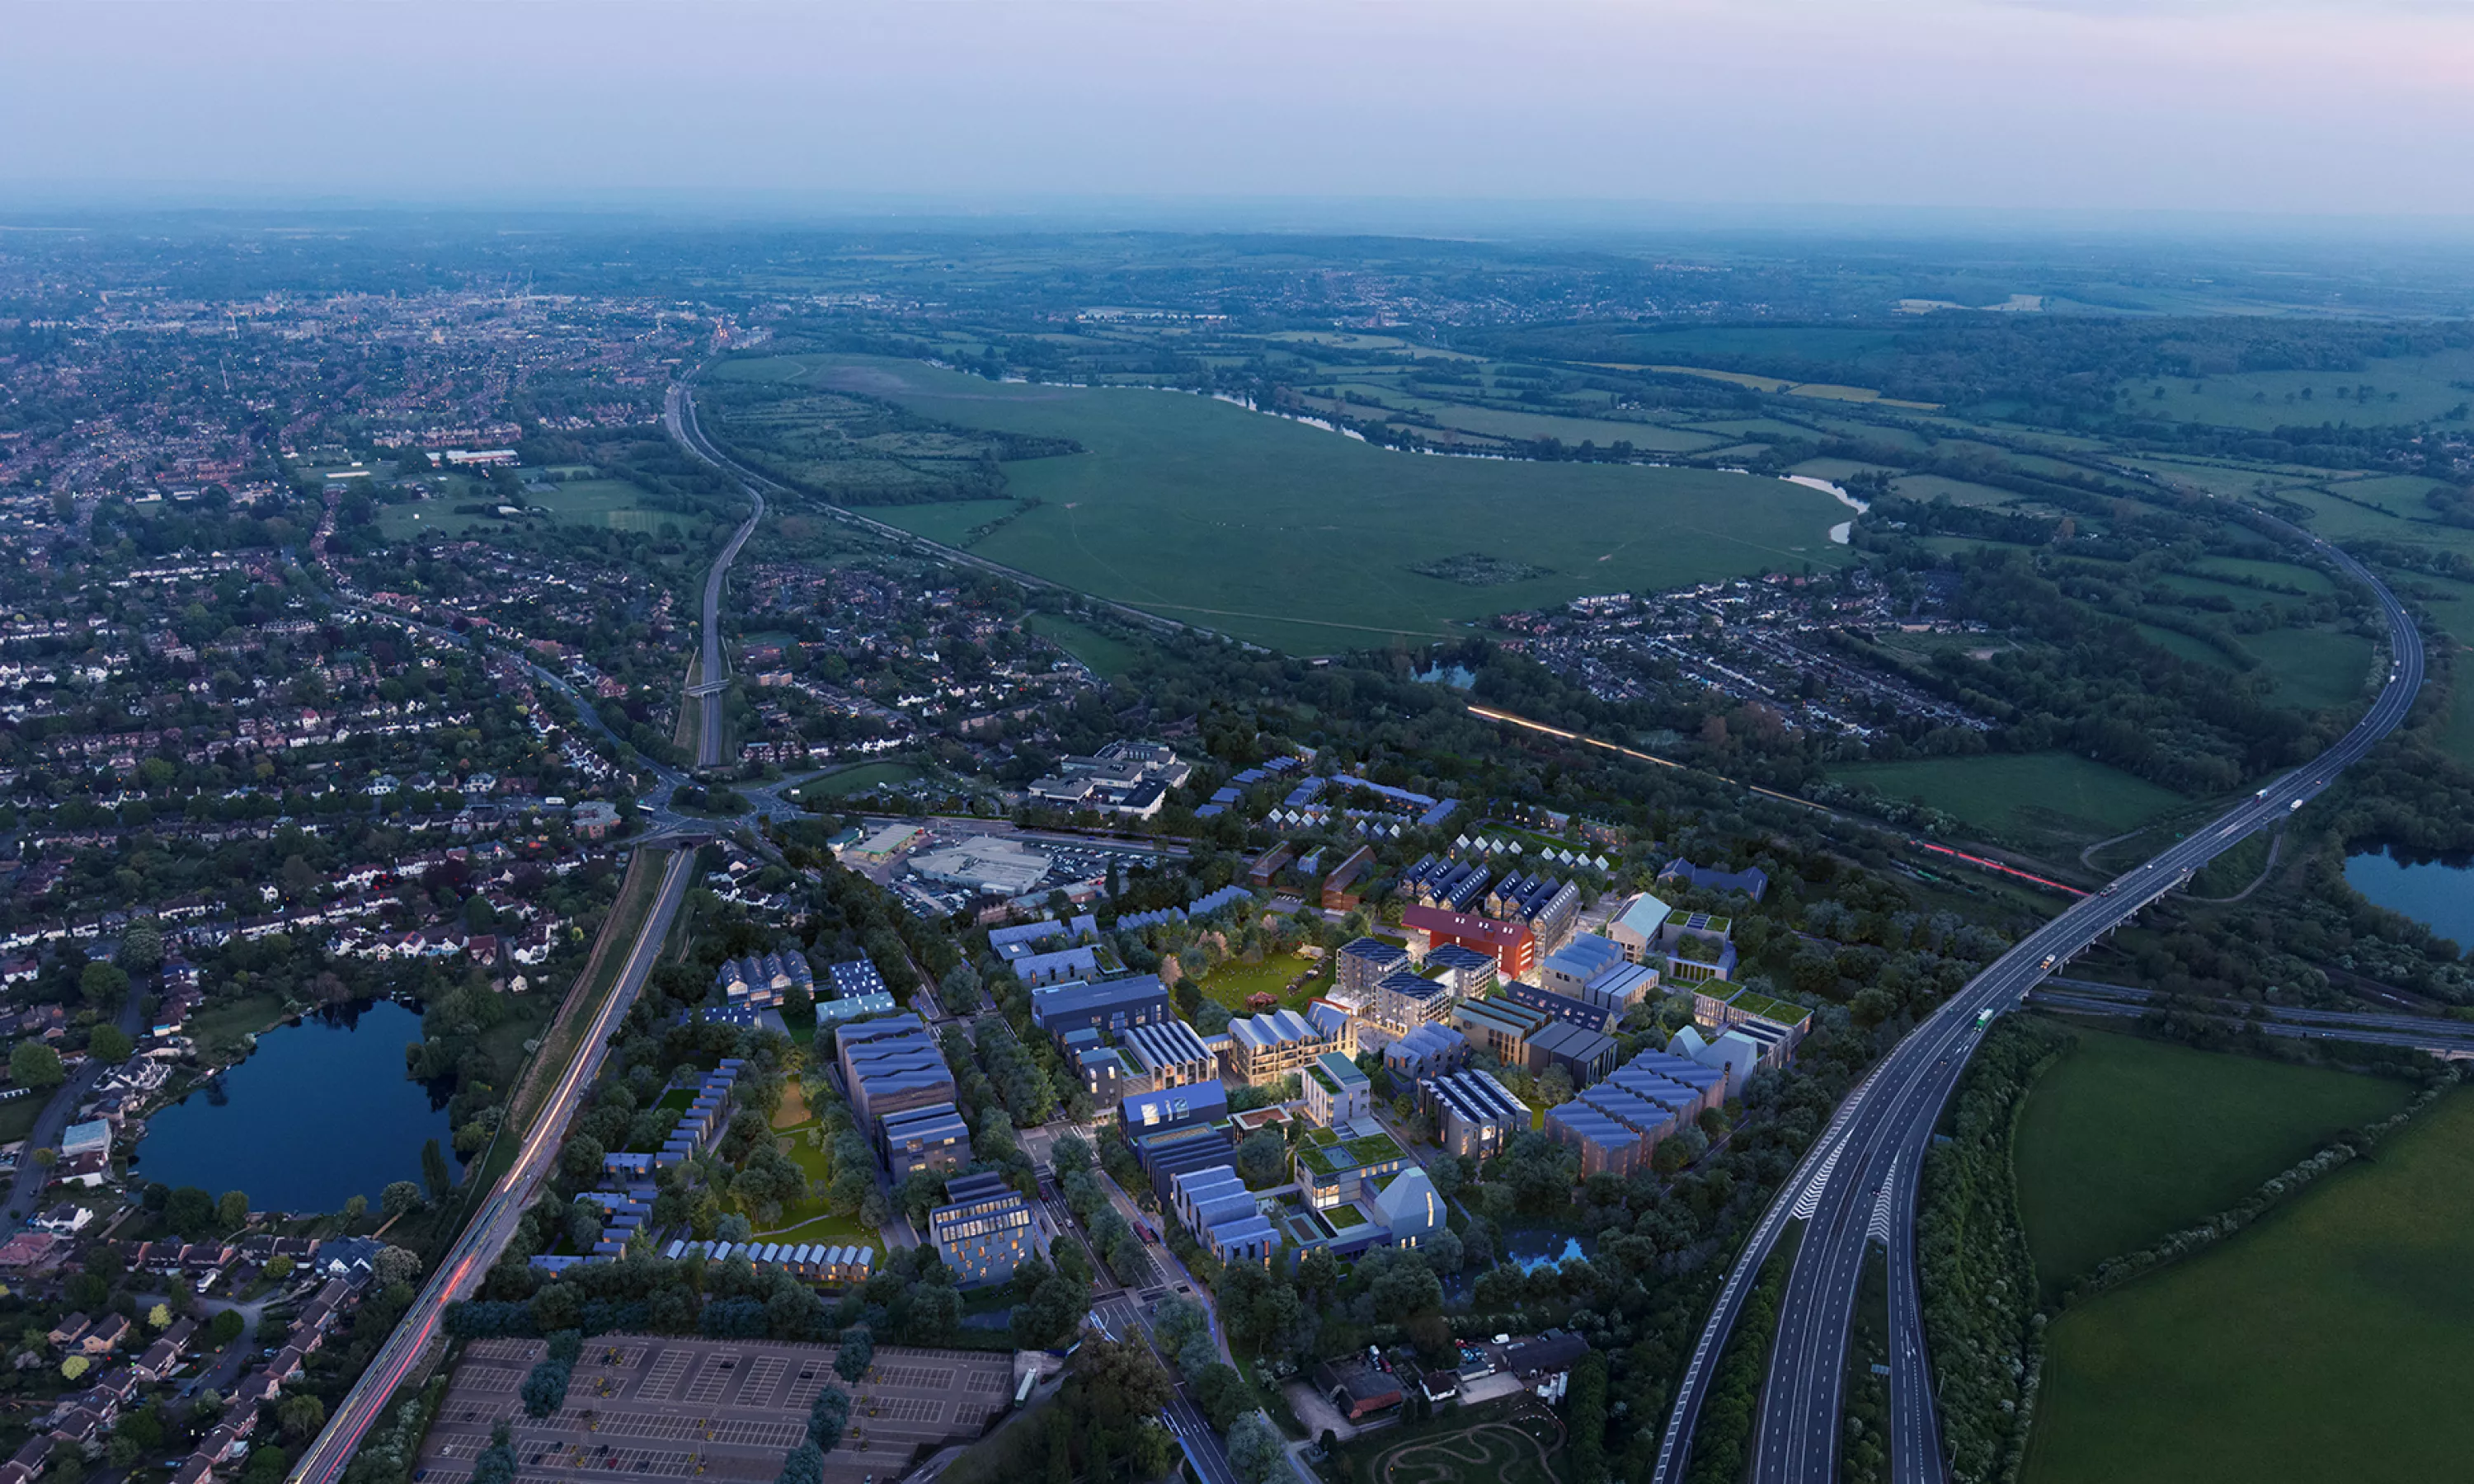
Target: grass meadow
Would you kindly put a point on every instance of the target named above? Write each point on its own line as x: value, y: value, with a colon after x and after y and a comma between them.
x: 2330, y: 1341
x: 2026, y: 797
x: 2126, y: 1140
x: 1107, y: 657
x: 2314, y: 668
x: 1293, y: 536
x: 600, y: 504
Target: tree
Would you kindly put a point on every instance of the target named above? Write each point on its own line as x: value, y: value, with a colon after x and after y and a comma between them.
x: 544, y: 1386
x: 827, y: 1417
x: 35, y: 1066
x: 1263, y: 1157
x: 801, y: 1465
x: 1181, y: 1327
x: 442, y: 1180
x: 160, y: 1317
x: 278, y: 1267
x: 232, y: 1210
x: 1254, y: 1451
x: 300, y: 1416
x: 734, y: 1229
x: 141, y: 947
x: 395, y: 1265
x: 108, y: 1042
x: 1223, y: 1393
x: 74, y: 1367
x: 399, y: 1197
x: 189, y: 1210
x: 104, y: 985
x: 355, y: 1208
x: 857, y: 1352
x: 497, y: 1463
x: 225, y: 1326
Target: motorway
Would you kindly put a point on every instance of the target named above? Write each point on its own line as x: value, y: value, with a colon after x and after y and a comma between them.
x: 486, y: 1234
x: 679, y: 416
x: 1857, y: 1182
x: 468, y: 1260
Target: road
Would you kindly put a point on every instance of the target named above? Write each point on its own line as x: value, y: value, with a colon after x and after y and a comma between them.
x: 468, y: 1260
x: 1860, y: 1176
x: 26, y: 1185
x: 679, y: 416
x: 2452, y: 1040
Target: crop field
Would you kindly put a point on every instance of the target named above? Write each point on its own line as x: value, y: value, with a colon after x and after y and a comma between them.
x: 2314, y: 667
x: 2127, y: 1139
x: 2025, y: 798
x: 1290, y: 535
x: 2330, y: 1341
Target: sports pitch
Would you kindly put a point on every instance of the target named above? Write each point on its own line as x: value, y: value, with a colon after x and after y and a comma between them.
x: 1291, y: 536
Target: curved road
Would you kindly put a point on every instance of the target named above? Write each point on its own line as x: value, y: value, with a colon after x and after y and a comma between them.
x: 678, y: 414
x: 1860, y: 1176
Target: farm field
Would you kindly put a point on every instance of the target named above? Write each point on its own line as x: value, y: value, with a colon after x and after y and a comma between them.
x: 1290, y: 535
x: 2314, y: 668
x: 2403, y: 388
x: 2126, y: 1140
x: 2279, y: 574
x: 951, y: 522
x: 2027, y: 798
x: 2328, y: 1341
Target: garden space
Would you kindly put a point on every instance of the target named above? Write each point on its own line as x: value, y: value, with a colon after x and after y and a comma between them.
x: 2329, y: 1341
x: 1289, y: 979
x: 2126, y: 1139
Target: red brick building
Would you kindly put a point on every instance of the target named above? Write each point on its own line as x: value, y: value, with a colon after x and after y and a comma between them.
x: 1511, y: 946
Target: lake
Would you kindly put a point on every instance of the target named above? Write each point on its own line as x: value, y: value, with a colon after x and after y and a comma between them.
x: 320, y: 1112
x: 2432, y: 892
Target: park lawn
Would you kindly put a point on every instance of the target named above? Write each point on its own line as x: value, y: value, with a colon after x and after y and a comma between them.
x: 221, y: 1023
x: 809, y: 1220
x: 1232, y: 982
x: 1105, y: 656
x: 1290, y: 535
x: 2023, y: 795
x: 2126, y: 1140
x: 2329, y: 1341
x: 2314, y: 668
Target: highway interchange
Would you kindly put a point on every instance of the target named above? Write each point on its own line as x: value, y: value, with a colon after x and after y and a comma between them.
x: 1857, y: 1182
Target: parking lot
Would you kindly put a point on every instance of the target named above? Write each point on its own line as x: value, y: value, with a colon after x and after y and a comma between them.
x: 727, y: 1409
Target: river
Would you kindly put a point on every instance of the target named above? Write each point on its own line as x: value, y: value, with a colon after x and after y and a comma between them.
x: 320, y: 1112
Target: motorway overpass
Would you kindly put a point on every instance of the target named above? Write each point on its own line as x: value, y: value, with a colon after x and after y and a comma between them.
x: 1857, y: 1182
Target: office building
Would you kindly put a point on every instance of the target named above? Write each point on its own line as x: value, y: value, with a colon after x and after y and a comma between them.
x: 1336, y: 1090
x: 1475, y: 1116
x: 1109, y: 1006
x: 986, y: 1230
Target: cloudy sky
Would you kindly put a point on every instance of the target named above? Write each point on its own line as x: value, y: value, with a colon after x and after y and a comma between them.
x: 2313, y: 107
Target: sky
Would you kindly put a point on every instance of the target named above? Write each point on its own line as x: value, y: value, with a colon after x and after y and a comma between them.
x: 2277, y: 107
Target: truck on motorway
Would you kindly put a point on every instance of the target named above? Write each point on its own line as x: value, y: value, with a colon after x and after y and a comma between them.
x: 1984, y: 1017
x: 2294, y: 806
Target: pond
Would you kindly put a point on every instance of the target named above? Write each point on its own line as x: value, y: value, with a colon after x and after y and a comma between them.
x: 320, y: 1112
x: 1531, y: 1251
x: 2438, y: 892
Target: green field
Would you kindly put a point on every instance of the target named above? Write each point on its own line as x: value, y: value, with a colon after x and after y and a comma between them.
x: 1106, y: 657
x: 2026, y: 796
x: 2404, y: 388
x: 1290, y: 535
x: 1230, y: 984
x: 2330, y: 1341
x: 2126, y: 1140
x: 1958, y: 492
x: 846, y: 781
x: 600, y: 504
x: 2314, y: 667
x: 2279, y: 574
x: 2189, y: 647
